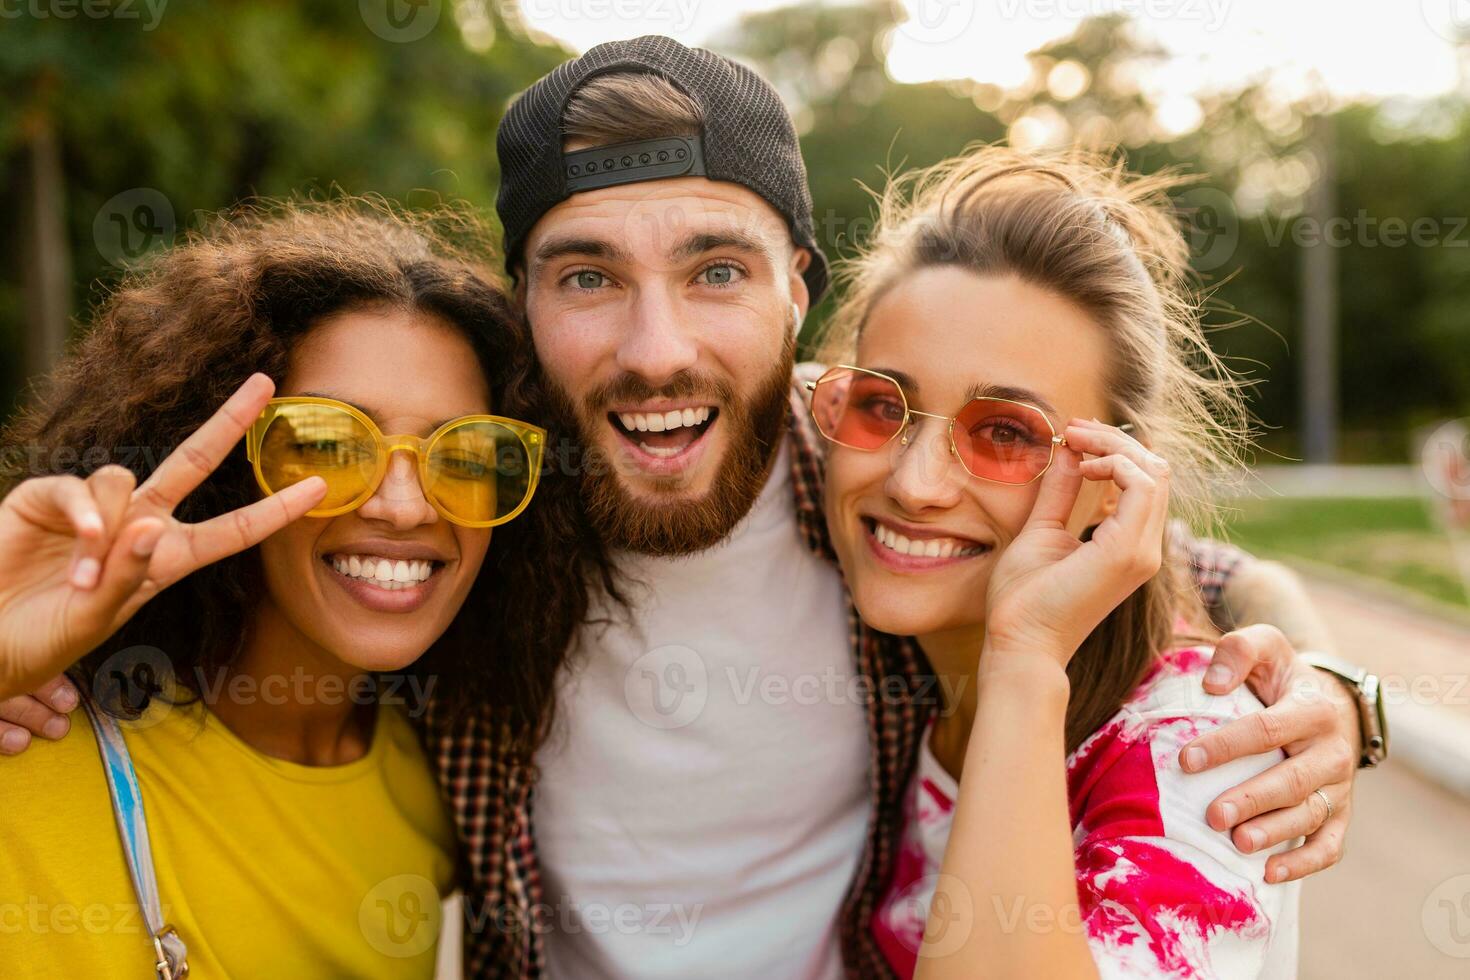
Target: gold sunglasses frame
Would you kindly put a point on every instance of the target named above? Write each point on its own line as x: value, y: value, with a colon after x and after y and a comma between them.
x: 532, y: 438
x: 908, y: 421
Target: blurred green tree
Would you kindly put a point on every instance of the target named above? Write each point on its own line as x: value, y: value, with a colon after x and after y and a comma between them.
x: 117, y: 129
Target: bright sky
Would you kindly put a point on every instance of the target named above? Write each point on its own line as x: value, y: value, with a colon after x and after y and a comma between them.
x: 1358, y: 47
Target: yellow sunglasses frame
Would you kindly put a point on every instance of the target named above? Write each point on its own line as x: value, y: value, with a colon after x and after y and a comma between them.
x: 532, y: 437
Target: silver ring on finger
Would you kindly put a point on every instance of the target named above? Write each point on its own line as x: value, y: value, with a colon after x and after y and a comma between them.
x: 1327, y: 801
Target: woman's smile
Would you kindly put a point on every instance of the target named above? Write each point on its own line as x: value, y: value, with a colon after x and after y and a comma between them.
x: 905, y: 547
x: 386, y: 576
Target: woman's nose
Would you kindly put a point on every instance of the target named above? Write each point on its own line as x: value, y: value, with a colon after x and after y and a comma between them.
x: 925, y: 472
x: 399, y: 500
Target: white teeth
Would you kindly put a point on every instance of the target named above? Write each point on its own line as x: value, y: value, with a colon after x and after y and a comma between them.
x: 923, y: 548
x: 385, y: 573
x: 664, y: 421
x: 662, y: 452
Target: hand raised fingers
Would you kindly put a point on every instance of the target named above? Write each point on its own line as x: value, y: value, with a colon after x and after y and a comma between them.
x: 65, y: 504
x: 1142, y: 476
x: 228, y: 534
x: 198, y: 456
x: 1058, y: 492
x: 111, y: 488
x: 1100, y: 439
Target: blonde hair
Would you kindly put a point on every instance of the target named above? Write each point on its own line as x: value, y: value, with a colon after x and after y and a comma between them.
x: 1077, y: 224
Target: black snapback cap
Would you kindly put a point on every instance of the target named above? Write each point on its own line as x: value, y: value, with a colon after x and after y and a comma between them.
x: 747, y: 138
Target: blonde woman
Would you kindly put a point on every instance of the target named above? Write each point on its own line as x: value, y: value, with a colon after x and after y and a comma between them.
x: 1023, y: 388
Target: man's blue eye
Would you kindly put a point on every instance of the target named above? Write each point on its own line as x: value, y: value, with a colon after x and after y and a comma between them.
x: 719, y: 275
x: 590, y: 280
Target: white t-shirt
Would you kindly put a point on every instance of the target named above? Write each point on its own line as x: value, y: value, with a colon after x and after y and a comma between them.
x: 703, y: 798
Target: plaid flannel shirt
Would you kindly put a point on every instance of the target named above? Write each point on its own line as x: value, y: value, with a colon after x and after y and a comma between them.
x: 490, y: 792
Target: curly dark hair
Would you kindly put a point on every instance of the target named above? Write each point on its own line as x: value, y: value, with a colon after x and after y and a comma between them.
x: 176, y: 336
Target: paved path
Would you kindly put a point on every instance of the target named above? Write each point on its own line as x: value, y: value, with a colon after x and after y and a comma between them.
x: 1393, y: 907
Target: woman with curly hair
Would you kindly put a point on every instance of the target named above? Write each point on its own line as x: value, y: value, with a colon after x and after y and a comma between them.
x: 260, y: 511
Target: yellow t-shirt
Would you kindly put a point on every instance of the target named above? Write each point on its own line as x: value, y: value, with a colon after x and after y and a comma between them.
x: 266, y: 868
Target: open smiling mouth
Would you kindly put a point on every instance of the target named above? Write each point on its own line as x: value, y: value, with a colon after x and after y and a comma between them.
x: 388, y: 574
x: 896, y: 547
x: 665, y: 435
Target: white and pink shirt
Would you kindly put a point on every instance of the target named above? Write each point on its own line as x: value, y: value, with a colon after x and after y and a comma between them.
x: 1161, y: 894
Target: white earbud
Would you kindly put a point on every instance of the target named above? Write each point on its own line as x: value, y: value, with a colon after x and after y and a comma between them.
x: 795, y: 317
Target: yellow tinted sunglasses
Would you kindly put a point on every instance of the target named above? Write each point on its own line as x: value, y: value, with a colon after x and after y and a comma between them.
x: 476, y: 471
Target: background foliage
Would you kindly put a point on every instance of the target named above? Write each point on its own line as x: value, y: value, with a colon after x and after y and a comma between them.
x: 217, y: 102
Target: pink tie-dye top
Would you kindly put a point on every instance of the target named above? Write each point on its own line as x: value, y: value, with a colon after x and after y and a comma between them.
x: 1161, y: 894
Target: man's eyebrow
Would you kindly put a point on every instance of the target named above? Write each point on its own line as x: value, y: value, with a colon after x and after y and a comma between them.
x: 592, y: 248
x: 364, y: 409
x: 697, y: 244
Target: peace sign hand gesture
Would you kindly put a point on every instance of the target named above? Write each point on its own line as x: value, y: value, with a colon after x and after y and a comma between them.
x: 79, y: 557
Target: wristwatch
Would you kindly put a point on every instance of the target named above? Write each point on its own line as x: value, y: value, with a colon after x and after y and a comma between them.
x: 1365, y: 689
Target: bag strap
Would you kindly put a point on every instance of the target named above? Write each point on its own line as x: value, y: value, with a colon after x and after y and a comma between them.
x: 171, y: 954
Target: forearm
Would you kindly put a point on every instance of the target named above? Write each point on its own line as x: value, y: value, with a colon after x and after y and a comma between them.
x: 1006, y: 901
x: 1260, y: 591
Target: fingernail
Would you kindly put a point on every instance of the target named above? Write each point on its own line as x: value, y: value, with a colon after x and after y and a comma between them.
x: 85, y: 575
x: 13, y: 740
x: 91, y: 524
x: 147, y: 541
x: 1194, y: 759
x: 64, y: 699
x: 1229, y: 812
x: 1277, y: 874
x: 1253, y: 839
x: 55, y: 728
x: 1218, y: 674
